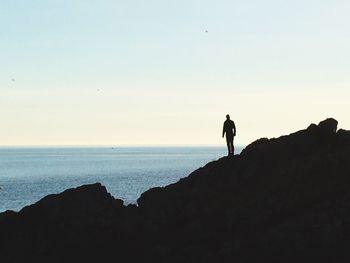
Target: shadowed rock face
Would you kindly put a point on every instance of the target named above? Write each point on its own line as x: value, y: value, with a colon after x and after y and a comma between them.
x: 283, y: 199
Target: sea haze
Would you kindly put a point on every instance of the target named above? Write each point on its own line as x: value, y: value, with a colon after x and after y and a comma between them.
x: 28, y: 174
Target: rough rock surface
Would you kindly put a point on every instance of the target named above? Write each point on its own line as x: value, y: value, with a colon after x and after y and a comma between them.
x: 284, y: 199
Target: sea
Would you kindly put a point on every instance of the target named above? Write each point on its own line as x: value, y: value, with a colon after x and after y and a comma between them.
x: 29, y: 174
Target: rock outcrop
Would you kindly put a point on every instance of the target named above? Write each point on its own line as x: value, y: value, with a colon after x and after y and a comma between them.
x: 285, y: 199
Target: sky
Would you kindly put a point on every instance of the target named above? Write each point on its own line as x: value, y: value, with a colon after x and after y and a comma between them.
x: 159, y: 72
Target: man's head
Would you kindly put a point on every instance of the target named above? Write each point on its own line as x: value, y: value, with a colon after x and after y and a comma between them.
x: 227, y: 116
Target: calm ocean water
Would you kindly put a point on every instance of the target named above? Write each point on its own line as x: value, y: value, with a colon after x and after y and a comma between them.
x: 28, y: 174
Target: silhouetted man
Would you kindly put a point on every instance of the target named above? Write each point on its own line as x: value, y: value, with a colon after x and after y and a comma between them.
x: 230, y: 130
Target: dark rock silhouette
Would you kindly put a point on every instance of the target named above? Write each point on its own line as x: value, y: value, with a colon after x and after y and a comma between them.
x: 282, y: 200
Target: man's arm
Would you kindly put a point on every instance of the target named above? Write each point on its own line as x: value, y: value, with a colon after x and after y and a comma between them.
x: 223, y: 131
x: 234, y: 129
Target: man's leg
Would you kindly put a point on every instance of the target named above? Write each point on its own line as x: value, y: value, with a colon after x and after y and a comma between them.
x: 228, y: 145
x: 229, y: 141
x: 232, y: 148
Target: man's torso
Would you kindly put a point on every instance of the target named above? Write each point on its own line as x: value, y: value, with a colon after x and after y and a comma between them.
x: 228, y: 127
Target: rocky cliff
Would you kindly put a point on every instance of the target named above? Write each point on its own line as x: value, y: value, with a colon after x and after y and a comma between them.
x: 283, y: 199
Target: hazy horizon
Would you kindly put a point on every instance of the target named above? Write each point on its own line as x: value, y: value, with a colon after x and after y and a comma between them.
x: 116, y: 146
x: 166, y: 73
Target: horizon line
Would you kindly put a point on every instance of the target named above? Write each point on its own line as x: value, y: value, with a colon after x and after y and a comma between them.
x: 112, y: 145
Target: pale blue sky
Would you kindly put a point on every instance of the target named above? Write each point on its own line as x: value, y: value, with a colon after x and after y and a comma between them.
x: 147, y: 72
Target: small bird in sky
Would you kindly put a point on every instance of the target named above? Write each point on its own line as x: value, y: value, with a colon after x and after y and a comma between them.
x: 206, y: 31
x: 13, y: 80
